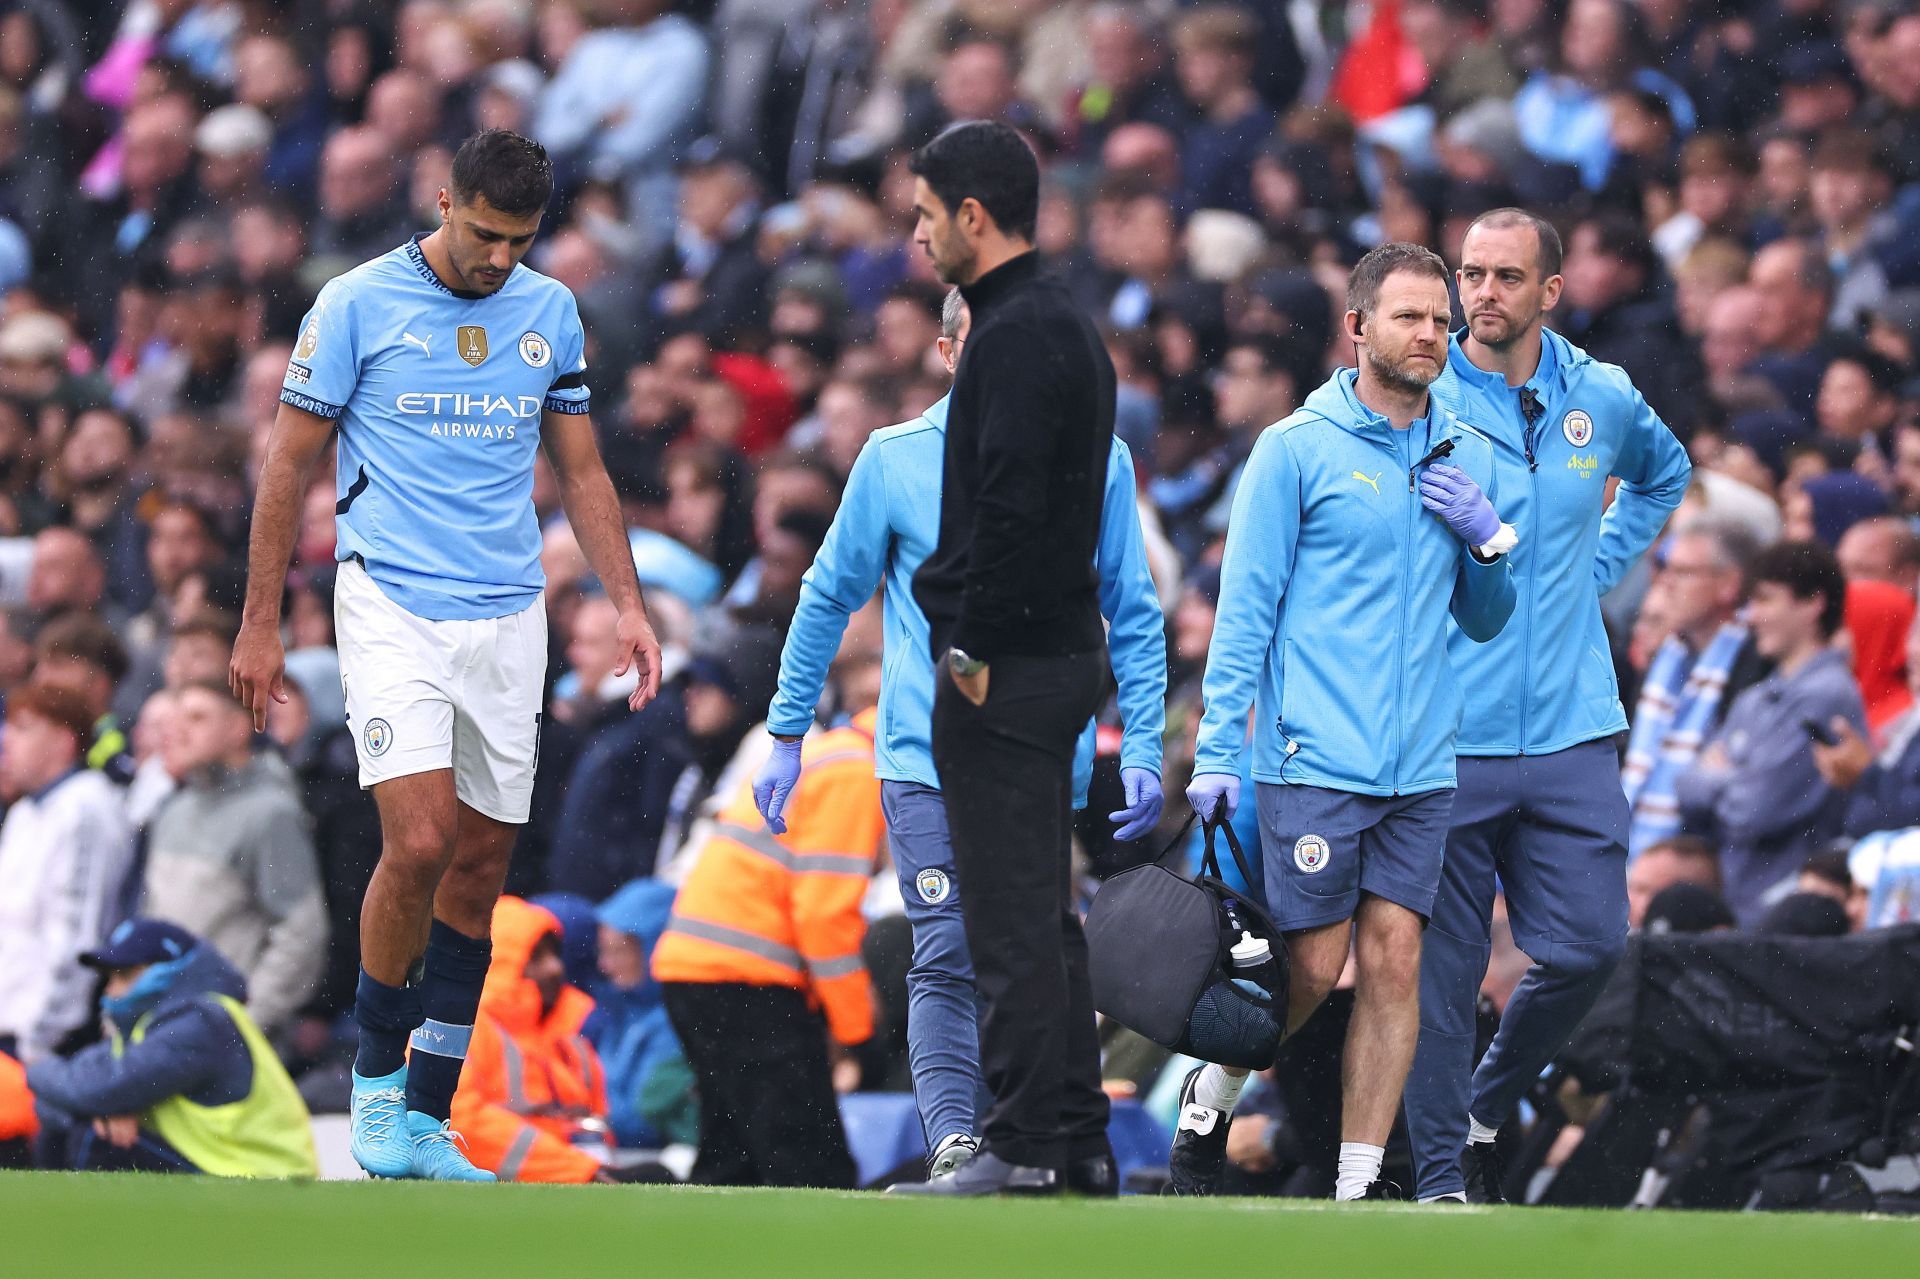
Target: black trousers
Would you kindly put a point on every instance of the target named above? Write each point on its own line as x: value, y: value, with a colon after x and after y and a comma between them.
x: 1006, y: 771
x: 768, y: 1112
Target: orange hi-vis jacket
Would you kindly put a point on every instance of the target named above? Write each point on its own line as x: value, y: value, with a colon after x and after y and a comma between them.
x: 529, y: 1079
x: 784, y: 910
x: 17, y: 1118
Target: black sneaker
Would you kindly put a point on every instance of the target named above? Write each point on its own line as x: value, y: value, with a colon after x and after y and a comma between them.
x: 1199, y: 1154
x: 1381, y: 1190
x: 1486, y: 1172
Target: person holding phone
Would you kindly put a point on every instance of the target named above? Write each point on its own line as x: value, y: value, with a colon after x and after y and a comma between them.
x: 1757, y: 786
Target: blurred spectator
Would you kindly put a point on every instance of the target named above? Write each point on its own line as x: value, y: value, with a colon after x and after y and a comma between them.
x: 650, y: 1100
x: 626, y: 95
x: 1878, y: 618
x: 1214, y: 60
x: 1755, y: 786
x: 641, y: 777
x: 1563, y: 109
x: 1852, y: 195
x: 186, y: 1082
x: 1795, y: 285
x: 346, y: 833
x: 533, y: 1095
x: 1804, y: 914
x: 1706, y: 661
x: 231, y: 856
x: 200, y: 644
x: 181, y: 540
x: 791, y: 76
x: 31, y: 189
x: 711, y: 279
x: 1885, y: 548
x: 1881, y: 774
x: 1687, y: 908
x: 272, y: 78
x: 1827, y: 875
x: 232, y: 144
x: 65, y: 853
x: 762, y: 948
x: 1617, y: 308
x: 363, y: 210
x: 1128, y: 80
x: 1825, y: 506
x: 1463, y: 64
x: 81, y: 654
x: 1679, y: 859
x: 1859, y: 400
x: 1716, y: 175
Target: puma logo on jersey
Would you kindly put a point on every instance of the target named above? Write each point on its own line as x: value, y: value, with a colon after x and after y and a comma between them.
x: 1372, y: 482
x: 419, y: 342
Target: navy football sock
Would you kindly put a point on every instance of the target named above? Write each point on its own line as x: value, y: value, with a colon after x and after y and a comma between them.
x: 456, y: 969
x: 387, y: 1015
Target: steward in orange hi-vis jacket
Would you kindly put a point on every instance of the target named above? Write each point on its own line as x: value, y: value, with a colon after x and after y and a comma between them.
x: 763, y: 947
x: 532, y: 1083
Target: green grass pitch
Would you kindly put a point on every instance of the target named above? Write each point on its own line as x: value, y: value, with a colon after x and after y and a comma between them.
x: 56, y: 1226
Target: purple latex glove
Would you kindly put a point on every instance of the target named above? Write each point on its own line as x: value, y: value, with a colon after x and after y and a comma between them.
x: 1214, y: 796
x: 774, y: 783
x: 1142, y: 813
x: 1450, y: 493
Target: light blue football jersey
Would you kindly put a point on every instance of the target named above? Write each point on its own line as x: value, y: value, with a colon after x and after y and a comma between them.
x: 439, y: 397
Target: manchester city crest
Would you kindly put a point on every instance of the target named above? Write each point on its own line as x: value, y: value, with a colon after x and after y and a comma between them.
x: 1310, y: 854
x: 933, y: 886
x: 1577, y: 427
x: 379, y: 736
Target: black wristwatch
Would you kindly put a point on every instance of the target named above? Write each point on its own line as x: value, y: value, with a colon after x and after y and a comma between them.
x: 962, y: 665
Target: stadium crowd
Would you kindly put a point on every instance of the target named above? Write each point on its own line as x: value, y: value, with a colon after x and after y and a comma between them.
x: 1737, y: 184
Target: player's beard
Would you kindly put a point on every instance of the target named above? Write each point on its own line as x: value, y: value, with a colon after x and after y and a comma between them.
x: 953, y: 259
x: 1505, y: 332
x: 1405, y: 374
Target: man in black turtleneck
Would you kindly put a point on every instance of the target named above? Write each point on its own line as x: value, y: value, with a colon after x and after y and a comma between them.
x: 1020, y: 655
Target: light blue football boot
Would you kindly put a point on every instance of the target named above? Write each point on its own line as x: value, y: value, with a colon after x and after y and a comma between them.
x: 381, y: 1143
x: 436, y: 1151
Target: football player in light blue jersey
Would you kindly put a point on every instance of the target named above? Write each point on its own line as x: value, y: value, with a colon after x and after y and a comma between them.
x: 442, y: 366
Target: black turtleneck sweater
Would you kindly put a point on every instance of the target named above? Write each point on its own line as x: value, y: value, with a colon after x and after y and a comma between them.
x: 1029, y: 430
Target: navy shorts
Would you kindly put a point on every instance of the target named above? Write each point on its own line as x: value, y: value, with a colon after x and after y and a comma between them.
x: 1323, y: 848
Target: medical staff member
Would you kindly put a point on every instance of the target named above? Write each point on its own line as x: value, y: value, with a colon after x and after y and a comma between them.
x: 1363, y: 521
x: 1539, y: 804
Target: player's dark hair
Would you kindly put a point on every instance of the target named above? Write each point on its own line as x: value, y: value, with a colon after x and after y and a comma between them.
x: 1371, y: 271
x: 1809, y: 571
x: 509, y: 172
x: 986, y: 161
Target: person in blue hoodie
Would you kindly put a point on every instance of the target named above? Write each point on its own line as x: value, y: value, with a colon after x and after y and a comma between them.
x: 1540, y: 803
x: 1363, y: 521
x: 185, y: 1081
x: 887, y: 525
x: 649, y: 1084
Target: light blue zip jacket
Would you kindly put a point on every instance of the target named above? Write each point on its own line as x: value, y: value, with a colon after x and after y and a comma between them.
x: 888, y: 522
x: 1547, y: 682
x: 1334, y: 596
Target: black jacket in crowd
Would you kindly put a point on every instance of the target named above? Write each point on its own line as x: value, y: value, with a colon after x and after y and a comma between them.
x: 1029, y: 431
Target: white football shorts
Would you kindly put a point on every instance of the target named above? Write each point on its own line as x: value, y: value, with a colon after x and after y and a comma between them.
x: 424, y: 695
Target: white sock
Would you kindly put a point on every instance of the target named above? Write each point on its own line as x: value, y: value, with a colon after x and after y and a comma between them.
x: 1455, y: 1197
x: 1359, y: 1168
x: 1217, y: 1090
x: 1478, y: 1134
